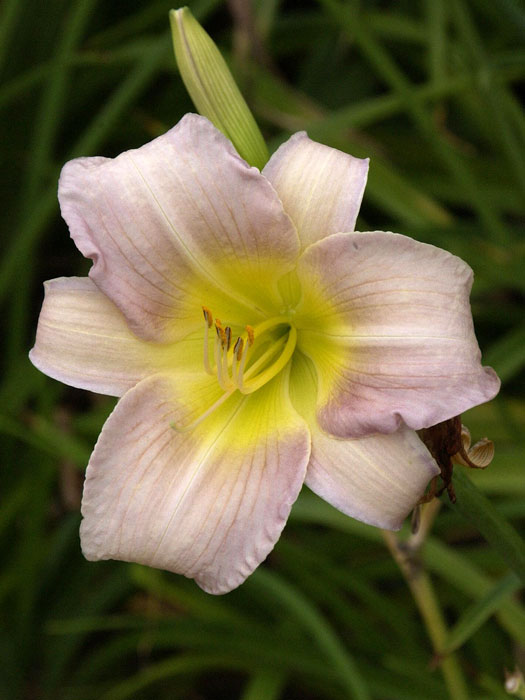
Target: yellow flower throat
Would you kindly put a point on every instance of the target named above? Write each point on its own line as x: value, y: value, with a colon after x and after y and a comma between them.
x: 256, y: 357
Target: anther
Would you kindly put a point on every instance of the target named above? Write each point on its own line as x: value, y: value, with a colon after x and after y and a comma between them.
x: 239, y: 370
x: 238, y: 374
x: 220, y: 332
x: 237, y: 348
x: 237, y: 354
x: 207, y: 316
x: 208, y: 321
x: 228, y: 334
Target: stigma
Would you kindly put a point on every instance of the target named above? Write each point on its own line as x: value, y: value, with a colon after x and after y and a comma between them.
x: 256, y: 356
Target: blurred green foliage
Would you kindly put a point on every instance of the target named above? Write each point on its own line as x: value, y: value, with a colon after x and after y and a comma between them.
x: 429, y: 90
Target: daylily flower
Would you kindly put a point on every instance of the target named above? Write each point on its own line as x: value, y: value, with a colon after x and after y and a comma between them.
x: 257, y: 343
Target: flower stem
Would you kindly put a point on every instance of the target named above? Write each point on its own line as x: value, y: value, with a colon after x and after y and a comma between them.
x: 406, y: 554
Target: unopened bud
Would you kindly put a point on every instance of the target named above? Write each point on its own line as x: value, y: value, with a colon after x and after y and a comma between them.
x: 212, y: 88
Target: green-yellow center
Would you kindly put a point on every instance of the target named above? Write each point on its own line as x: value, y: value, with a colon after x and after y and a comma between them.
x: 257, y: 355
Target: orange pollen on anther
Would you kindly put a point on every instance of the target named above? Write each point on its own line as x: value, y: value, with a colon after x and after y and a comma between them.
x: 208, y: 317
x: 238, y: 347
x: 220, y: 331
x: 232, y: 359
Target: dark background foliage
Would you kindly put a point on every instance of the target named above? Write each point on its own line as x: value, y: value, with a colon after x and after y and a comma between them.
x: 429, y: 90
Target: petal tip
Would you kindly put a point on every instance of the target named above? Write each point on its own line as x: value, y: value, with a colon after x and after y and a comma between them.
x: 492, y: 382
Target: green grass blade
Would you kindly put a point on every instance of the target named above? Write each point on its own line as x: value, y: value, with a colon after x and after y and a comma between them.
x: 313, y: 621
x: 495, y: 529
x: 170, y: 668
x: 387, y: 69
x: 479, y: 612
x: 99, y: 128
x: 267, y: 684
x: 8, y: 19
x: 493, y: 93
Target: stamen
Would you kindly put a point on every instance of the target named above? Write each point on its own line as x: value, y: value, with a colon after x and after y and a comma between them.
x: 208, y: 322
x: 237, y: 348
x: 225, y: 347
x: 217, y: 352
x: 275, y: 350
x: 228, y: 334
x: 259, y: 380
x: 237, y: 354
x: 222, y: 345
x: 220, y: 331
x: 261, y: 361
x: 239, y: 377
x: 218, y: 360
x: 208, y: 317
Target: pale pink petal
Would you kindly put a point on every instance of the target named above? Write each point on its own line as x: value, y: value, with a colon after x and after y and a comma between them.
x: 376, y: 479
x: 83, y: 340
x: 320, y: 187
x: 387, y: 322
x: 171, y: 225
x: 208, y: 503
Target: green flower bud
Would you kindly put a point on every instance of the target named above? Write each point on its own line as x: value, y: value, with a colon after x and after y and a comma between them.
x: 212, y: 88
